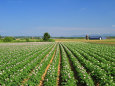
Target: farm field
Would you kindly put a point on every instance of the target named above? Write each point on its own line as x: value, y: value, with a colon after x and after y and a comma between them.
x: 57, y: 64
x: 105, y: 41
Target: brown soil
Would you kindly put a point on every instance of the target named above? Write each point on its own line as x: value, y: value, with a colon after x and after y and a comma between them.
x: 58, y: 78
x: 97, y: 84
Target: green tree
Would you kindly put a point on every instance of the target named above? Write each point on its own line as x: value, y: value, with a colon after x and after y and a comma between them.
x: 8, y: 39
x: 46, y: 36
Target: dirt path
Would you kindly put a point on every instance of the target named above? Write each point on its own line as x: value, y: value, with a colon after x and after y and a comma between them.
x: 43, y: 76
x: 59, y: 68
x: 30, y: 74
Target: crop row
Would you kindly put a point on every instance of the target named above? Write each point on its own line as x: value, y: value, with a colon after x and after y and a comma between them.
x: 36, y: 76
x: 15, y: 74
x: 57, y: 64
x: 83, y: 77
x: 19, y: 59
x: 95, y: 71
x: 67, y: 75
x: 99, y: 61
x: 52, y: 73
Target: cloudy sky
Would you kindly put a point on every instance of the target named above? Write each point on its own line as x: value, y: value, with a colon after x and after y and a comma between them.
x: 58, y: 17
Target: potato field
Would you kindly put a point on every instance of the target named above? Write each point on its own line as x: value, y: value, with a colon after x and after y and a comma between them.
x: 57, y: 64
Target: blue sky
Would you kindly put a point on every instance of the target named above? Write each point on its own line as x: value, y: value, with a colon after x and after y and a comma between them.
x: 58, y: 17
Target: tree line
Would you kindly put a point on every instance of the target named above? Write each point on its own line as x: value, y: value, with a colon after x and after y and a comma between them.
x: 46, y: 37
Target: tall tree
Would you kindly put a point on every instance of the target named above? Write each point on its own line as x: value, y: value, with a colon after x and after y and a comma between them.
x: 46, y: 36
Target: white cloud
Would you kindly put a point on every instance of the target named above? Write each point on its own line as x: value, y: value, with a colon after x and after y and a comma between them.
x: 113, y: 25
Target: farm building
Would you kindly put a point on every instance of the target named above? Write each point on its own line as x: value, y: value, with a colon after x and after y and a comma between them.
x: 95, y: 38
